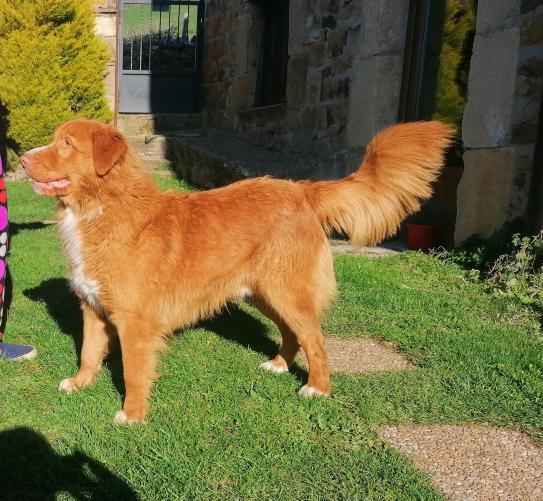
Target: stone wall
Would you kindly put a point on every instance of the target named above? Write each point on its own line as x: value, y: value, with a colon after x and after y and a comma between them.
x: 343, y: 79
x: 501, y: 116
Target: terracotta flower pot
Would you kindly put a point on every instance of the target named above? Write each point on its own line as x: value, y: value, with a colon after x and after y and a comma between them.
x: 420, y: 236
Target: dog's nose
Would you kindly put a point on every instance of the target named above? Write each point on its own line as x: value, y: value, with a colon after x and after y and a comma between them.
x: 25, y: 161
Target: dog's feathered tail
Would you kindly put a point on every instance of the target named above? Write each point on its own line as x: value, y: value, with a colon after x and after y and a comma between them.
x: 400, y: 164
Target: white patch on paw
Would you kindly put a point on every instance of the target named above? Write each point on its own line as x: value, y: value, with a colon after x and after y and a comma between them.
x: 310, y: 391
x: 271, y: 367
x: 67, y: 385
x: 122, y: 418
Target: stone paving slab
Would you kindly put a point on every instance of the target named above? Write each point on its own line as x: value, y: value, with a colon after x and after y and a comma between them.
x: 361, y: 355
x: 473, y: 462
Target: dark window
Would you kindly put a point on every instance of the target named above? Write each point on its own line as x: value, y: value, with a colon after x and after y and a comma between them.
x: 436, y: 64
x: 272, y: 74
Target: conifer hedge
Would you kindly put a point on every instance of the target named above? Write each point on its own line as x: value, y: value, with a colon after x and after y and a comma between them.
x: 52, y: 67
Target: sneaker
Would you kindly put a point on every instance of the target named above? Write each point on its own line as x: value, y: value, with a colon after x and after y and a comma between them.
x: 17, y: 352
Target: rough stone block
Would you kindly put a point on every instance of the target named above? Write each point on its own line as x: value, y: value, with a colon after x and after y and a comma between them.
x: 342, y: 65
x: 529, y: 5
x: 529, y: 87
x: 524, y: 133
x: 109, y: 86
x: 335, y: 88
x: 244, y: 92
x: 313, y: 92
x: 493, y: 189
x: 309, y: 119
x: 532, y: 67
x: 351, y: 13
x: 296, y: 35
x: 526, y: 109
x: 296, y: 79
x: 331, y: 6
x: 385, y: 24
x: 337, y: 40
x: 374, y: 92
x: 495, y: 15
x: 491, y: 89
x: 105, y: 25
x: 531, y: 31
x: 328, y: 22
x: 317, y: 54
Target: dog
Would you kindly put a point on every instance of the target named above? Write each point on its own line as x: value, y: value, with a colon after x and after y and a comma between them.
x: 145, y: 263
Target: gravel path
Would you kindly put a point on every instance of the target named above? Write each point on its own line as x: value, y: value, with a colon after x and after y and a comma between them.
x: 353, y: 356
x: 473, y: 462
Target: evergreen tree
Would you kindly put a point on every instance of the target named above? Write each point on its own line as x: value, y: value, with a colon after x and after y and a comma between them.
x: 52, y: 67
x: 458, y: 32
x: 452, y: 77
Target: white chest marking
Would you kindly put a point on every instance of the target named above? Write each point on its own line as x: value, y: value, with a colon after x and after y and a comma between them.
x: 71, y: 241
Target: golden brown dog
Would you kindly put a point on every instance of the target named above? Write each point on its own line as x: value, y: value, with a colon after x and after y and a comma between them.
x: 145, y: 263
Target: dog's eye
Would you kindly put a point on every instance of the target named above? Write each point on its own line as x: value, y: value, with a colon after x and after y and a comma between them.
x: 66, y: 142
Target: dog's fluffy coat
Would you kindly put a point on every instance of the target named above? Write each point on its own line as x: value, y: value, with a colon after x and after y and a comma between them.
x: 145, y: 263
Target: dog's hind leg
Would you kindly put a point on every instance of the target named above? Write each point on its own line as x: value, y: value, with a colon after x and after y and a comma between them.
x: 296, y: 304
x: 289, y: 346
x: 96, y: 337
x: 301, y: 324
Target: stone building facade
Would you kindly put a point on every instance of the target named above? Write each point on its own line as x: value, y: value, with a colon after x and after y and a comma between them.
x: 343, y: 84
x: 343, y: 75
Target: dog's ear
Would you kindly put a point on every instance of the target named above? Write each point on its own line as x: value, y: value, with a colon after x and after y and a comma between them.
x: 108, y: 148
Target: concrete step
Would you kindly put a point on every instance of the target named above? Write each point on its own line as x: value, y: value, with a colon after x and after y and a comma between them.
x: 218, y: 157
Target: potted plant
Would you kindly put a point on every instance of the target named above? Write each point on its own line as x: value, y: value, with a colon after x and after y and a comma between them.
x: 421, y: 233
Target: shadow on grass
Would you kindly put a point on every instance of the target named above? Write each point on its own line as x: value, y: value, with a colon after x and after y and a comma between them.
x: 31, y: 469
x: 15, y: 228
x: 233, y: 324
x: 237, y: 325
x: 64, y: 307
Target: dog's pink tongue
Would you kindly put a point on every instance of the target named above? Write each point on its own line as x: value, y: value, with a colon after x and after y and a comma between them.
x: 61, y: 183
x: 43, y: 188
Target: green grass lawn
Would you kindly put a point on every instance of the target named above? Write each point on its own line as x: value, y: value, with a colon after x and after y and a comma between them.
x: 220, y: 428
x: 144, y: 18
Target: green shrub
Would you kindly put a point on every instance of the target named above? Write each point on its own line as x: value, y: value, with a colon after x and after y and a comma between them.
x: 508, y: 263
x: 478, y: 253
x: 519, y: 273
x: 52, y: 68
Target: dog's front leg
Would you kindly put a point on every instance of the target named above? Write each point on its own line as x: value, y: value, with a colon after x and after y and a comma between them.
x: 139, y: 345
x: 95, y: 347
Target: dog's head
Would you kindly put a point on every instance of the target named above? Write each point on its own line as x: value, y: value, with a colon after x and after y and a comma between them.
x: 82, y: 150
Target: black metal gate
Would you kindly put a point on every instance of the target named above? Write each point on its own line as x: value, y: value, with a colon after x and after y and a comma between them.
x: 160, y: 56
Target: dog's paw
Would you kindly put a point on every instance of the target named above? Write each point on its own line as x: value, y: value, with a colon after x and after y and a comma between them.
x: 67, y: 385
x: 271, y: 366
x: 122, y: 418
x: 310, y: 391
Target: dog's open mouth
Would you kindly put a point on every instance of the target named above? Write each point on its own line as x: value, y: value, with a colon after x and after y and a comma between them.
x: 50, y: 187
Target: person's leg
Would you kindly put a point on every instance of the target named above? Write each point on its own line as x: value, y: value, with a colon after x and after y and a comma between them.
x: 7, y: 351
